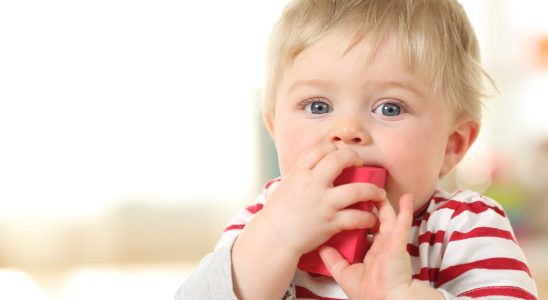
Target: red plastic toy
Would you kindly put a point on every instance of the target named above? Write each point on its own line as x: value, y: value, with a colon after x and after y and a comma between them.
x: 352, y: 244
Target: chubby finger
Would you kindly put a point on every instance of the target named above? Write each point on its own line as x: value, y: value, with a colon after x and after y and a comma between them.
x: 332, y: 165
x: 352, y: 193
x: 333, y: 260
x: 348, y: 219
x: 314, y: 154
x: 404, y: 219
x: 387, y: 216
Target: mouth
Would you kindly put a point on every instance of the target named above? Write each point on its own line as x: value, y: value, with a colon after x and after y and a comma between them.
x: 373, y: 165
x: 370, y: 174
x: 385, y: 173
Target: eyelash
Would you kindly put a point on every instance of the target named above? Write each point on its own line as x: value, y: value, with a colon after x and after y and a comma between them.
x: 311, y: 100
x: 403, y: 106
x: 302, y: 105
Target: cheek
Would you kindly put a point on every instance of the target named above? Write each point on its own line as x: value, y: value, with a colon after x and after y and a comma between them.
x: 414, y: 160
x: 291, y: 144
x: 422, y: 154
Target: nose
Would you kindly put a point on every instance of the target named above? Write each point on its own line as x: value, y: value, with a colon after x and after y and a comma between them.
x: 349, y: 132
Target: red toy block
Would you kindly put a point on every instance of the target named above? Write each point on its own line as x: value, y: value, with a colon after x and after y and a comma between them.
x: 352, y: 244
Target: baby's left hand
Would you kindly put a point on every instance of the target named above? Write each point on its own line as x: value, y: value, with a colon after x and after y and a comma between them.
x: 386, y: 270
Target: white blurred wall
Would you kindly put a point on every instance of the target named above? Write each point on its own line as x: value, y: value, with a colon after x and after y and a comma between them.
x: 130, y: 130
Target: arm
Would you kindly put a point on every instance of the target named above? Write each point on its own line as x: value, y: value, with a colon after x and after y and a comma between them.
x: 269, y: 265
x: 211, y: 279
x: 303, y: 212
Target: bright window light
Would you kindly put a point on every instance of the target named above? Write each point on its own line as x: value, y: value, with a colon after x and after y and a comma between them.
x: 18, y: 285
x: 102, y: 101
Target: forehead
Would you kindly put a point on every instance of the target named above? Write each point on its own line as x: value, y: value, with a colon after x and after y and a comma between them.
x: 340, y: 59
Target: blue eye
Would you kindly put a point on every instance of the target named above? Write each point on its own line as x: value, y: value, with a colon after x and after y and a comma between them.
x: 388, y: 109
x: 317, y: 107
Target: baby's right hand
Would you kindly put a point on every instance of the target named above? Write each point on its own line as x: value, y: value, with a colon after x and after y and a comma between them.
x: 305, y: 209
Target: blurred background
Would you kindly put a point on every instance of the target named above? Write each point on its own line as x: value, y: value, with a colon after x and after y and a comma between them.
x: 130, y: 132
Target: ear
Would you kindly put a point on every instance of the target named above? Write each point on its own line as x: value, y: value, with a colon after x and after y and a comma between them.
x: 460, y: 140
x: 268, y: 120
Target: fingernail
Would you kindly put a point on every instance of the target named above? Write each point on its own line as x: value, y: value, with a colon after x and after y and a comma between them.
x: 383, y: 193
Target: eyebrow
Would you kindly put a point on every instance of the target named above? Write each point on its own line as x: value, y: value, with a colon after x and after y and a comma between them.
x: 380, y: 84
x: 406, y: 85
x: 309, y: 83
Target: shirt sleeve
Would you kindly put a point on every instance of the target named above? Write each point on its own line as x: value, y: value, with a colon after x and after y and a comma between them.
x: 448, y: 296
x: 482, y: 258
x: 212, y: 278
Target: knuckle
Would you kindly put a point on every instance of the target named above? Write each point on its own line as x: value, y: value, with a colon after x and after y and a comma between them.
x: 352, y: 193
x: 343, y: 224
x: 358, y: 221
x: 347, y: 222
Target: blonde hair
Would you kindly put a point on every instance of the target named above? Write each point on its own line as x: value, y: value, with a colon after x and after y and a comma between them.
x: 437, y: 42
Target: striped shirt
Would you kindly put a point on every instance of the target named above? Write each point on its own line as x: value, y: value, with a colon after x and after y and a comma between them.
x: 461, y: 244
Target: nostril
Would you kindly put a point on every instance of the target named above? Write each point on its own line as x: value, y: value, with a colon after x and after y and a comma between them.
x: 357, y: 140
x: 336, y: 139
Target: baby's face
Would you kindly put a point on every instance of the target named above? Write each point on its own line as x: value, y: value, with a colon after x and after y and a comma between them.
x: 390, y: 117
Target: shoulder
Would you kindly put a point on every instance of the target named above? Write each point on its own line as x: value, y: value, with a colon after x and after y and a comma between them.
x: 466, y: 201
x: 271, y: 183
x: 464, y: 210
x: 260, y: 199
x: 481, y: 255
x: 244, y: 215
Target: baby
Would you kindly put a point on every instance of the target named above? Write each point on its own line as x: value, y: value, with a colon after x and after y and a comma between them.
x: 395, y: 84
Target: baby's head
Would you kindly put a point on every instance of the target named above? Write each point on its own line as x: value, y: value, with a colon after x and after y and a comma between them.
x: 435, y: 38
x: 397, y: 81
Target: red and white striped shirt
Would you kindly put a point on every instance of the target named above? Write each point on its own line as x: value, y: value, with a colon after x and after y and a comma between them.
x: 460, y: 243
